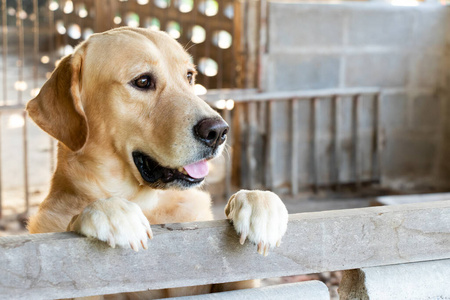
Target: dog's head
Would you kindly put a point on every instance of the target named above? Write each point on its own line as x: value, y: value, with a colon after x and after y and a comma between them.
x: 131, y: 91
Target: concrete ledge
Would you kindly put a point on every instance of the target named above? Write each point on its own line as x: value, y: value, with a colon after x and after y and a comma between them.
x: 418, y: 281
x: 308, y: 290
x: 65, y: 265
x: 408, y: 199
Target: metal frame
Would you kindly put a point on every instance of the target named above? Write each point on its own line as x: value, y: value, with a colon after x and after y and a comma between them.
x: 251, y: 98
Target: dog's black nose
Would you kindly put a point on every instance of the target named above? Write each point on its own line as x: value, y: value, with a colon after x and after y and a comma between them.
x: 213, y: 132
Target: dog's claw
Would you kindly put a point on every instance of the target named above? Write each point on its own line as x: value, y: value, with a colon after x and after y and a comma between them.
x: 149, y: 233
x: 260, y: 247
x: 134, y: 246
x: 266, y: 250
x: 243, y: 238
x: 278, y: 243
x: 111, y: 242
x: 144, y: 244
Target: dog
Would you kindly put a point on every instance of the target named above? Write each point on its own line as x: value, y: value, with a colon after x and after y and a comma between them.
x: 134, y: 143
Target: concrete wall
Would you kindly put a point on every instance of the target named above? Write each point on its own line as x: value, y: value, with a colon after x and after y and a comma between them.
x: 403, y: 50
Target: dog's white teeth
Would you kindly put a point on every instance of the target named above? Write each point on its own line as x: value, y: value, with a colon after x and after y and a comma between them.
x: 182, y: 171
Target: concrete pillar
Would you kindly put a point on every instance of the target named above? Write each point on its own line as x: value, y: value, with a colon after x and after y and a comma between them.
x: 418, y: 281
x: 308, y: 290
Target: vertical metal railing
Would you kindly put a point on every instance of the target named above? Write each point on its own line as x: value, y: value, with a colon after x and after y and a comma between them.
x: 294, y: 145
x: 251, y: 176
x: 314, y: 141
x: 377, y: 143
x: 4, y: 86
x: 356, y: 163
x: 20, y: 102
x: 335, y: 141
x: 269, y: 146
x: 52, y: 59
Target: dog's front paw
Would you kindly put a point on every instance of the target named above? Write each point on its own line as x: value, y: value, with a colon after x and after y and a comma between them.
x: 116, y: 221
x: 259, y: 216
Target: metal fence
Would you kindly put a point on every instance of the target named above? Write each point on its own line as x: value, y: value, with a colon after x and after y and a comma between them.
x: 314, y: 153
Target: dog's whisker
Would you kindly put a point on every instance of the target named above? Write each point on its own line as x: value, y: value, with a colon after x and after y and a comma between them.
x: 186, y: 46
x: 227, y: 151
x: 193, y: 44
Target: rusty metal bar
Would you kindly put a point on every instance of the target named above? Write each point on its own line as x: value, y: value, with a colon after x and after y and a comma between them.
x: 21, y: 60
x: 313, y: 144
x: 20, y: 101
x: 376, y: 143
x: 1, y: 179
x: 5, y: 52
x: 244, y: 45
x: 228, y: 158
x: 208, y: 45
x: 237, y: 41
x: 192, y: 49
x: 262, y: 45
x: 355, y: 141
x: 243, y: 120
x: 5, y: 86
x: 219, y: 76
x: 35, y: 87
x: 35, y: 45
x: 251, y: 139
x: 25, y: 163
x: 51, y: 45
x: 335, y: 143
x: 294, y: 146
x: 269, y: 145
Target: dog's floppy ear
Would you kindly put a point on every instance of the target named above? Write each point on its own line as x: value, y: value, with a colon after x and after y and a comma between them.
x: 57, y: 109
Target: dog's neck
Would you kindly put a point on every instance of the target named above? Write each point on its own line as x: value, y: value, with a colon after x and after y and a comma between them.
x: 96, y: 174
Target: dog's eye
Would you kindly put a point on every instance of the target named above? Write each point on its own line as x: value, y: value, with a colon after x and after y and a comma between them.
x: 190, y: 77
x: 145, y: 82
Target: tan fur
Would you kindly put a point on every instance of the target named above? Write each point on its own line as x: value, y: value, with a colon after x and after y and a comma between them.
x: 99, y: 166
x: 89, y: 105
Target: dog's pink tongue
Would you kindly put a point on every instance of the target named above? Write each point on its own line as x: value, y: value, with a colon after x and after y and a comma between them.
x: 197, y: 170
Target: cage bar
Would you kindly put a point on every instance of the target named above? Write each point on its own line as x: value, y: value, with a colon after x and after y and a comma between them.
x: 314, y: 164
x: 294, y: 146
x: 355, y: 141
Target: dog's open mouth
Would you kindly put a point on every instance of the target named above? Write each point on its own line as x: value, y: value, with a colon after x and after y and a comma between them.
x: 152, y: 172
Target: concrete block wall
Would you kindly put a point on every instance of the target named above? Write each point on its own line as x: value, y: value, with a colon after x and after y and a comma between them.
x: 403, y: 50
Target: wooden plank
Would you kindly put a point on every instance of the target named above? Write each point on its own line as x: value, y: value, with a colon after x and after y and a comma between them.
x: 63, y: 265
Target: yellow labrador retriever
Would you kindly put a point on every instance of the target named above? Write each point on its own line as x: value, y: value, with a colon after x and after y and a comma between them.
x: 134, y: 141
